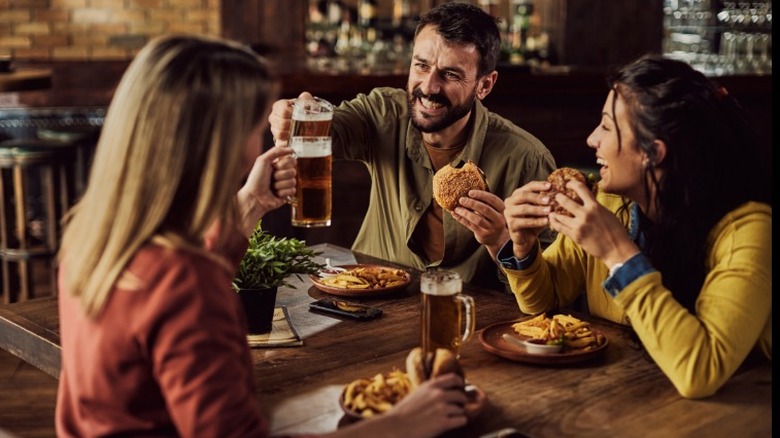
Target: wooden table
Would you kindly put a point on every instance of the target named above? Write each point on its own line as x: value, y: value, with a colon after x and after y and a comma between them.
x: 25, y: 79
x: 620, y: 394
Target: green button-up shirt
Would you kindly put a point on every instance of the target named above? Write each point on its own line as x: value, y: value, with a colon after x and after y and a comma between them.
x: 376, y: 130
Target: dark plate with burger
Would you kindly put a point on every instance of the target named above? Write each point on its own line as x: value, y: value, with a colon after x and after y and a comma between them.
x: 398, y: 385
x: 502, y: 340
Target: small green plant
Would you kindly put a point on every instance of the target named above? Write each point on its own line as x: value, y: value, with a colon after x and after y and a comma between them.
x: 270, y: 259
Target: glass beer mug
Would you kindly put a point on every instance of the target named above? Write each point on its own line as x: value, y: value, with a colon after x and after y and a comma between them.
x: 310, y: 140
x: 448, y: 316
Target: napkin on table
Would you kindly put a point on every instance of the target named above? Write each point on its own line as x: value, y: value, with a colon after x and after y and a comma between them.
x: 282, y: 332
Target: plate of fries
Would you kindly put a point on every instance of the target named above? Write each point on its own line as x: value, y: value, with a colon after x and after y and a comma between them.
x: 578, y: 339
x: 366, y: 397
x: 363, y: 281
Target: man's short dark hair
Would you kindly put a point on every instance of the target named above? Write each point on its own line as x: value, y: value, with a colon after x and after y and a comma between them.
x: 465, y: 23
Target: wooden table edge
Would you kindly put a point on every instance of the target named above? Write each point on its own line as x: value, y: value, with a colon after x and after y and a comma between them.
x: 30, y: 342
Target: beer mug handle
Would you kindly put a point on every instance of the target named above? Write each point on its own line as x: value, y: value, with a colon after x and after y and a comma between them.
x: 467, y: 303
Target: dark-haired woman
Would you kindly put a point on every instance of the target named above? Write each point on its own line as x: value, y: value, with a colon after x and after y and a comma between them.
x: 677, y: 242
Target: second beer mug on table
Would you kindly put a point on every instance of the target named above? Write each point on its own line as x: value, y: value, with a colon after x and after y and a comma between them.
x: 311, y: 142
x: 448, y: 316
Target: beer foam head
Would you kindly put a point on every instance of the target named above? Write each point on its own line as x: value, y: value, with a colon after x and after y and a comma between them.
x: 312, y: 109
x: 311, y: 147
x: 439, y: 282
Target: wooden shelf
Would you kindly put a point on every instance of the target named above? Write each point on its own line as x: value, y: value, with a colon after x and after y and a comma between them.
x: 25, y: 79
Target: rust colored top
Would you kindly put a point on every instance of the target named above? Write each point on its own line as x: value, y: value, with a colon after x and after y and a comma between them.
x: 169, y: 358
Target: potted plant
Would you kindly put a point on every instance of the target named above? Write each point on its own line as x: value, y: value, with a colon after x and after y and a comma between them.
x: 268, y: 262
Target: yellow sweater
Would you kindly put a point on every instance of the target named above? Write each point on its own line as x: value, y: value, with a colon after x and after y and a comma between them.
x: 698, y: 352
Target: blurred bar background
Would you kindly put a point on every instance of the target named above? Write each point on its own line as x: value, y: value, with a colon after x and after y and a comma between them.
x: 554, y: 60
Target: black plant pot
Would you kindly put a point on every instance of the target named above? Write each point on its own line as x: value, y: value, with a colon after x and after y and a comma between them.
x: 259, y: 307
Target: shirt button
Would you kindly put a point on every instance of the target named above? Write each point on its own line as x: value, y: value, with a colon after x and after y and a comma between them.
x: 418, y: 208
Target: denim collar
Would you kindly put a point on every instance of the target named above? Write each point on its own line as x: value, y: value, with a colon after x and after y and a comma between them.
x: 635, y: 226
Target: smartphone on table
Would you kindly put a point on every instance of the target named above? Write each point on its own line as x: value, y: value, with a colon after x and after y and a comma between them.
x: 346, y: 309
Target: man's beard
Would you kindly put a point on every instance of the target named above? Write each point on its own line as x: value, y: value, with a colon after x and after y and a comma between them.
x: 450, y: 116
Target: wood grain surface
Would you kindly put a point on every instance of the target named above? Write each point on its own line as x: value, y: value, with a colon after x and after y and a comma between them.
x: 621, y: 393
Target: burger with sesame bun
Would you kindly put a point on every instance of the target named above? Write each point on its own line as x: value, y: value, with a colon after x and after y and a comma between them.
x: 451, y: 183
x: 559, y: 178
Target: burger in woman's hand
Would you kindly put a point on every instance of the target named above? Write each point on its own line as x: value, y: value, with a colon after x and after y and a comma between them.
x: 421, y: 367
x: 559, y: 178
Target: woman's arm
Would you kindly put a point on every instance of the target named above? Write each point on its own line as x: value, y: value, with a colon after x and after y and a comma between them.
x: 700, y: 352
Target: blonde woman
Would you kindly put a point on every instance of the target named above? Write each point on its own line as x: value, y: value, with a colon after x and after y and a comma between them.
x: 153, y: 341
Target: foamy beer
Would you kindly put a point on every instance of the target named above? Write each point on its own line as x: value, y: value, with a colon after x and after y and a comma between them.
x: 312, y: 204
x: 311, y: 142
x: 448, y: 316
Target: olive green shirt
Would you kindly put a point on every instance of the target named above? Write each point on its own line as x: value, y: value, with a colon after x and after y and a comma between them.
x: 376, y: 129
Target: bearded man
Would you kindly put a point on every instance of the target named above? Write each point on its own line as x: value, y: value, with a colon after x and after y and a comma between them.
x: 405, y: 136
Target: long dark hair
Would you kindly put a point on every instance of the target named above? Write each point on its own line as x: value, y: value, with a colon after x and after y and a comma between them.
x: 465, y: 23
x: 713, y: 163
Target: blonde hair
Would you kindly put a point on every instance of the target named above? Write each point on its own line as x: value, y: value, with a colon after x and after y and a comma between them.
x: 168, y: 160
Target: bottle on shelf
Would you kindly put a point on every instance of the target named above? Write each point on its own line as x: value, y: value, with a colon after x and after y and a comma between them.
x: 520, y: 12
x: 367, y: 14
x: 402, y: 13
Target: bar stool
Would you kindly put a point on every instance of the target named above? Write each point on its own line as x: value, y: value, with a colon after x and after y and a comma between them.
x: 84, y: 138
x: 37, y: 186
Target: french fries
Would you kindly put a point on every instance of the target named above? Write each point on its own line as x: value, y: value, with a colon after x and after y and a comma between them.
x: 566, y: 329
x: 366, y: 277
x: 368, y: 397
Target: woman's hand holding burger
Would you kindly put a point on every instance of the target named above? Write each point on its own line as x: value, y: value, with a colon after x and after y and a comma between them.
x: 526, y: 212
x: 433, y: 407
x: 567, y: 205
x: 529, y: 209
x: 435, y: 404
x: 592, y: 226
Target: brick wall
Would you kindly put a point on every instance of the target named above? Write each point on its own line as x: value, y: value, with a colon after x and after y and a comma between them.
x: 97, y: 29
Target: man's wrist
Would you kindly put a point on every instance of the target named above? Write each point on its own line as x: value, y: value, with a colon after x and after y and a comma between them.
x: 494, y: 247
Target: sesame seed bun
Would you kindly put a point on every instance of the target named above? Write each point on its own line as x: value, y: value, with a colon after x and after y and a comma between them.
x: 450, y: 184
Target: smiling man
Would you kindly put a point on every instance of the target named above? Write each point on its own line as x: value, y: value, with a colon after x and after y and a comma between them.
x: 405, y: 136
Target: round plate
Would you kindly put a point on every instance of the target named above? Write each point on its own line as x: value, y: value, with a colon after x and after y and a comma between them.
x: 361, y: 293
x: 492, y: 339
